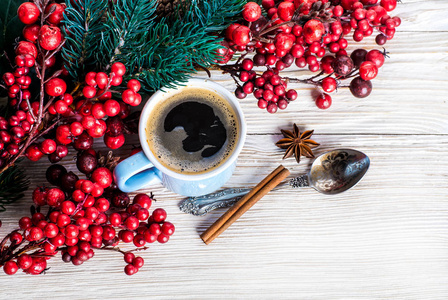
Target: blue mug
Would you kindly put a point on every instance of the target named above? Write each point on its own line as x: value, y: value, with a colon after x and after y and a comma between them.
x: 143, y: 169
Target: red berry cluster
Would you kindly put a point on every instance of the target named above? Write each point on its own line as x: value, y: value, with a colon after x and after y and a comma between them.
x: 83, y: 215
x: 45, y: 124
x: 305, y: 33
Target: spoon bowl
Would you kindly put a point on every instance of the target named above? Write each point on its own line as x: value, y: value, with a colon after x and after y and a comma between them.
x: 335, y: 171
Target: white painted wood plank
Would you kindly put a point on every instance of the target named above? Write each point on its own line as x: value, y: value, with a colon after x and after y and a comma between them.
x: 422, y: 15
x: 386, y: 239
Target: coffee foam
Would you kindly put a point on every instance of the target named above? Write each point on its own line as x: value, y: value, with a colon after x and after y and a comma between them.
x: 167, y: 146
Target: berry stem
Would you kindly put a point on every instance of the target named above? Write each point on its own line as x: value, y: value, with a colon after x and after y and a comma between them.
x: 40, y: 114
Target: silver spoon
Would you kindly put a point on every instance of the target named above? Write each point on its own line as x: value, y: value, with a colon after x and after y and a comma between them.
x: 331, y: 173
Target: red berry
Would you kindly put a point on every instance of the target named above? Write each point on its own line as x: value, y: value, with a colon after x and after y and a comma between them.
x: 25, y: 223
x: 91, y: 213
x: 248, y: 87
x: 138, y: 262
x: 16, y: 237
x: 25, y: 47
x: 323, y: 101
x: 57, y: 15
x: 149, y: 237
x: 284, y: 41
x: 98, y: 111
x: 128, y: 257
x: 55, y: 197
x: 24, y: 261
x: 168, y: 228
x: 368, y: 70
x: 33, y: 152
x: 9, y: 79
x: 115, y: 219
x: 143, y: 200
x: 102, y: 204
x: 51, y: 230
x: 102, y: 176
x: 55, y: 87
x: 267, y: 4
x: 31, y: 32
x: 34, y: 234
x: 71, y: 231
x: 118, y: 69
x: 128, y: 96
x: 162, y: 239
x: 111, y: 107
x: 279, y: 90
x: 134, y: 85
x: 313, y: 30
x: 48, y: 146
x: 139, y: 240
x: 282, y: 104
x: 285, y: 10
x: 39, y: 265
x: 375, y: 56
x: 114, y: 142
x: 90, y: 79
x: 131, y: 223
x: 155, y: 229
x: 116, y: 81
x: 126, y: 236
x: 241, y: 35
x: 159, y: 215
x: 49, y: 37
x: 291, y: 95
x: 28, y: 13
x: 251, y: 12
x: 130, y: 269
x: 230, y: 29
x: 329, y: 84
x: 10, y: 267
x: 89, y: 91
x: 101, y: 80
x: 389, y: 5
x: 247, y: 64
x: 98, y: 129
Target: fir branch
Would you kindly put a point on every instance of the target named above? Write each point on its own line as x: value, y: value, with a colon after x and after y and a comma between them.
x: 83, y: 22
x: 213, y: 15
x: 170, y: 54
x: 13, y: 182
x: 160, y: 54
x: 126, y: 23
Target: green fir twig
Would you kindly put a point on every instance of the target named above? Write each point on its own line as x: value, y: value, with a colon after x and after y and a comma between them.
x: 13, y: 184
x: 83, y: 22
x: 159, y: 53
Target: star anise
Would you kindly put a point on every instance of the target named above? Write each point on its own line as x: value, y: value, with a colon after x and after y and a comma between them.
x: 109, y: 160
x: 297, y: 144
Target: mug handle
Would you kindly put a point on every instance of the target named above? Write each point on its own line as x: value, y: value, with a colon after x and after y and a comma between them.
x: 135, y: 172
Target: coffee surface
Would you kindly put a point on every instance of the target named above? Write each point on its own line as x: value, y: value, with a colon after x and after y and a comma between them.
x: 193, y: 131
x: 204, y: 129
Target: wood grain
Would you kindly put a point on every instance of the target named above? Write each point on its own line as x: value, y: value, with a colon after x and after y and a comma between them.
x: 385, y: 239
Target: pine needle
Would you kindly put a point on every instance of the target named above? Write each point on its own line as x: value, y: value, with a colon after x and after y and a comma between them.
x: 13, y: 184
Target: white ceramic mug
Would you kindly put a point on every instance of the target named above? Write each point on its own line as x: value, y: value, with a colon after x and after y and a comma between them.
x: 143, y: 169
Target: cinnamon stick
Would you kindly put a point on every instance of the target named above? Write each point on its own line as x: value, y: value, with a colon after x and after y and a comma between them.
x: 244, y: 204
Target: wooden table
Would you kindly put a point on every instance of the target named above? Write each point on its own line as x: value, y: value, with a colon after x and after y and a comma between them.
x: 385, y: 239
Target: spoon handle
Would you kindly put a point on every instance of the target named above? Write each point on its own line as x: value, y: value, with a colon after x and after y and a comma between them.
x: 201, y: 205
x: 300, y: 181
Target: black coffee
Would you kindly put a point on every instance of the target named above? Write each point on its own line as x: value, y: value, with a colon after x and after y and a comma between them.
x: 205, y: 131
x: 193, y: 131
